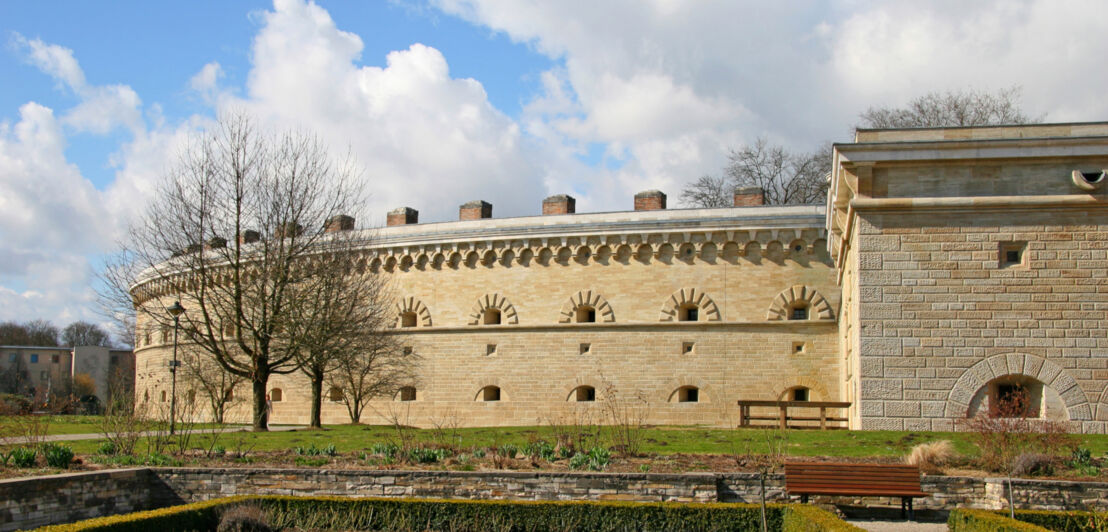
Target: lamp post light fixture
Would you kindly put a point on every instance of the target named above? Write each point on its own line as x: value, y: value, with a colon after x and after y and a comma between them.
x: 176, y: 310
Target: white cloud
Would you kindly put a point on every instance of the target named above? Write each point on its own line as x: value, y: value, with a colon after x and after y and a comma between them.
x: 672, y: 86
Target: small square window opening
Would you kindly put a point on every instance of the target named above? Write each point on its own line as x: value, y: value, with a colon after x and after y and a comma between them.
x: 585, y: 349
x: 490, y: 349
x: 688, y: 348
x: 1012, y: 254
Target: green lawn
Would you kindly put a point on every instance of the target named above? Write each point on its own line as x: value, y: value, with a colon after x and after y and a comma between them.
x: 59, y: 425
x: 658, y: 440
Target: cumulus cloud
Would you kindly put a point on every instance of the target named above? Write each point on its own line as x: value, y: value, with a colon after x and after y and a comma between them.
x: 426, y: 139
x: 670, y: 87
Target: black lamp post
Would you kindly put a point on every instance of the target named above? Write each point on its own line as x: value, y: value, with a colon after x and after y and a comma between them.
x: 176, y: 310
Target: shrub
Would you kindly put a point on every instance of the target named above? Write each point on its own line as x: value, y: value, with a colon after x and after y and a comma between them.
x: 245, y: 518
x: 312, y: 461
x: 508, y: 450
x: 14, y: 405
x: 963, y: 520
x: 1028, y: 464
x: 806, y: 518
x: 479, y: 452
x: 540, y: 449
x: 1081, y: 457
x: 23, y: 457
x: 421, y: 455
x: 107, y: 449
x: 931, y: 456
x: 596, y: 459
x: 57, y: 455
x: 1071, y: 521
x: 312, y: 450
x: 387, y: 450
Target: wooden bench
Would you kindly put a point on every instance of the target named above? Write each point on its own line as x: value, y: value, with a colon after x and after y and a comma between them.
x: 870, y: 480
x: 782, y: 417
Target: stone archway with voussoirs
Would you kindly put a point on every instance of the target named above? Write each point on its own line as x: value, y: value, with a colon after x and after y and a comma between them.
x: 414, y: 306
x: 1048, y: 373
x: 586, y: 298
x: 800, y: 294
x: 493, y: 301
x: 686, y: 297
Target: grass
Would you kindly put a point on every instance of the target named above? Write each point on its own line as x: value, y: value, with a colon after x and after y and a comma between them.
x: 67, y: 424
x: 656, y: 440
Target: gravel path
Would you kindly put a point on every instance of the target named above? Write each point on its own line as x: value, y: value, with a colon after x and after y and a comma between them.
x: 898, y: 526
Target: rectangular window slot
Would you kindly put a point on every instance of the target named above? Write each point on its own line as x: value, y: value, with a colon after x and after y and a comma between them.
x: 1012, y: 254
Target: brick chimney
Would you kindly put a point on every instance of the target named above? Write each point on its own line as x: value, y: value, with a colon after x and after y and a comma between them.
x: 475, y: 210
x: 560, y: 204
x: 249, y: 237
x: 402, y: 216
x: 289, y: 230
x: 650, y: 200
x: 338, y: 223
x: 749, y: 196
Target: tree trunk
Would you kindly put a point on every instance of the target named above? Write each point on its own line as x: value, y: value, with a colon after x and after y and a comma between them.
x: 317, y: 398
x: 261, y: 421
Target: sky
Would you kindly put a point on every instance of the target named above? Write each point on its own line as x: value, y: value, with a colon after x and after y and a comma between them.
x: 441, y: 102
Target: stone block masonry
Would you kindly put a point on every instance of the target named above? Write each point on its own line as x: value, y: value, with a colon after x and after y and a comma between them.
x: 40, y: 501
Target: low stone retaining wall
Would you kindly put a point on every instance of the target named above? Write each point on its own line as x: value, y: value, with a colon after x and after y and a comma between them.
x: 40, y: 501
x: 32, y: 502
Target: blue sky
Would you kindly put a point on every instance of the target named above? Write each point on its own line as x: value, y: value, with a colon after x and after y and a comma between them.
x: 447, y: 101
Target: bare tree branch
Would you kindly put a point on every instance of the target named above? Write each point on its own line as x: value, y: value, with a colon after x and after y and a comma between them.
x: 947, y: 109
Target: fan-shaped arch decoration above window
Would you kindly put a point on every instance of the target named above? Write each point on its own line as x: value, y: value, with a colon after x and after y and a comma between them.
x: 493, y: 302
x: 586, y: 300
x: 790, y: 302
x: 678, y: 305
x: 411, y: 312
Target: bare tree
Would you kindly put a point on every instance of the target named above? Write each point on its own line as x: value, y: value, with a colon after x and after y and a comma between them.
x: 786, y: 178
x: 375, y: 366
x: 948, y: 109
x: 85, y: 333
x: 707, y: 192
x: 232, y: 234
x: 35, y: 332
x: 343, y: 316
x: 201, y: 372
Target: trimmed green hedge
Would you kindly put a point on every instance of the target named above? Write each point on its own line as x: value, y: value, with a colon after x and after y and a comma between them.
x: 805, y: 518
x: 477, y: 515
x: 1074, y: 521
x: 963, y: 520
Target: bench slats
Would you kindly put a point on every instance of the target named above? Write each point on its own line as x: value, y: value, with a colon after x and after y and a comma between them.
x: 807, y: 478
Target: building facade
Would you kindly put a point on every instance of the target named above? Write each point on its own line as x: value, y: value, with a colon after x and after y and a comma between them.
x: 39, y: 372
x: 948, y: 266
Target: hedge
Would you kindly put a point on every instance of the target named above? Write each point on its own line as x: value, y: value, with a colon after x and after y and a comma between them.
x: 805, y: 518
x: 1073, y: 521
x: 478, y: 515
x: 963, y: 520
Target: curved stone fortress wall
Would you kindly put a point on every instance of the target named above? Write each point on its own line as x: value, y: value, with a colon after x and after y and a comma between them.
x: 691, y: 312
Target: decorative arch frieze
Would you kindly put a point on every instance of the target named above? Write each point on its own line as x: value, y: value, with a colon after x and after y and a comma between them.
x: 586, y: 298
x: 412, y: 305
x: 818, y: 306
x: 686, y: 297
x: 493, y: 301
x: 1018, y: 364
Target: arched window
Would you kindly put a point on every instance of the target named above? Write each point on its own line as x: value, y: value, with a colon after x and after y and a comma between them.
x: 276, y: 395
x: 584, y: 394
x: 688, y: 313
x: 491, y: 316
x: 407, y: 393
x: 335, y: 394
x: 408, y: 319
x: 797, y: 393
x: 687, y: 394
x: 1015, y: 396
x: 586, y: 314
x: 798, y: 312
x: 489, y: 393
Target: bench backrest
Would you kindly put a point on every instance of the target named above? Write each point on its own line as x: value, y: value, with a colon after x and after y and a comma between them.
x: 876, y: 478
